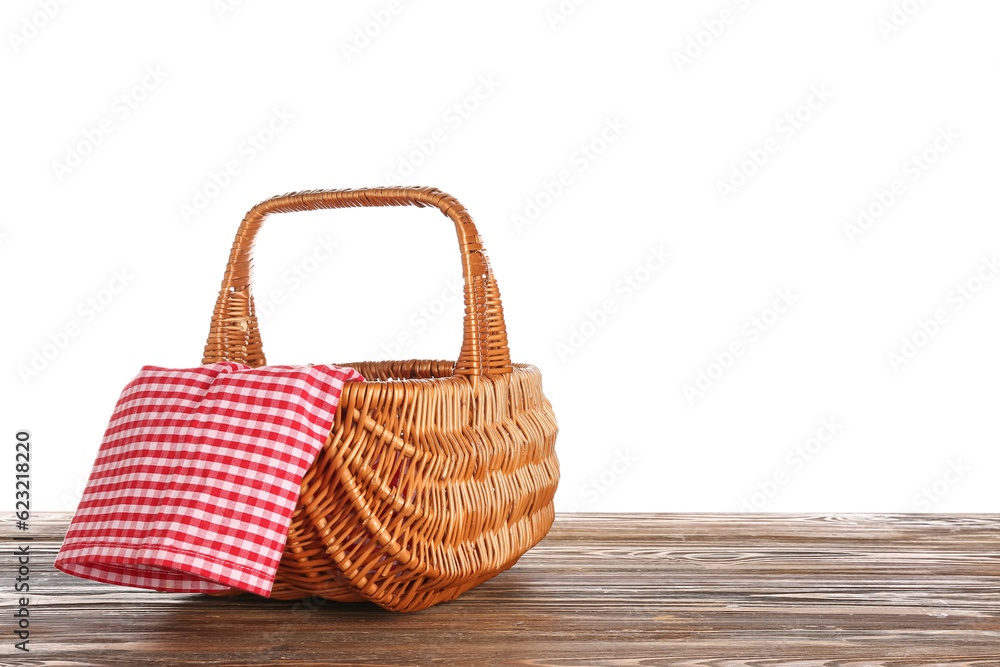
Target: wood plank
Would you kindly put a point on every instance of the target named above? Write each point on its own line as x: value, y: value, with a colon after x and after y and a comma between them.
x: 681, y: 589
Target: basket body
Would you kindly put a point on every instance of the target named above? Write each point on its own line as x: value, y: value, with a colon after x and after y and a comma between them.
x: 437, y: 475
x: 427, y: 486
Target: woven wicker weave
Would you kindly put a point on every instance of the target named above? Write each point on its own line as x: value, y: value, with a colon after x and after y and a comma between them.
x: 437, y: 475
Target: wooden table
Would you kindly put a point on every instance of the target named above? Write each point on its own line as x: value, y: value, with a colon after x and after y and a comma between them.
x: 602, y: 589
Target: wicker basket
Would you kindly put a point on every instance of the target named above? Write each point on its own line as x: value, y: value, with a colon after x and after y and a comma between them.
x: 437, y: 475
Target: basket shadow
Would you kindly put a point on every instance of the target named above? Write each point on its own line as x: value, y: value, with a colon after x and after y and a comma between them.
x: 248, y: 629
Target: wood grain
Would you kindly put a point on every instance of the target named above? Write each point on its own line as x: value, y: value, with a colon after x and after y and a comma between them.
x: 695, y: 589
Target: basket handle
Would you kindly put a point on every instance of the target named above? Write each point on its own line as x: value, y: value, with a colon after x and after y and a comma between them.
x: 235, y: 336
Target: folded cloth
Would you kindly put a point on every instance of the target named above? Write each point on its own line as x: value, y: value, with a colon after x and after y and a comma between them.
x: 198, y: 475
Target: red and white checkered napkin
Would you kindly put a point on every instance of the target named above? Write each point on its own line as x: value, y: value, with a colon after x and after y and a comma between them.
x: 198, y: 475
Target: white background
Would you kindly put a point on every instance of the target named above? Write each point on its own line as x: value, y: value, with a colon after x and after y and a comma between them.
x: 913, y: 436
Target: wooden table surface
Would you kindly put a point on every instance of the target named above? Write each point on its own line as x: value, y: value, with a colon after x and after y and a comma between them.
x: 848, y: 590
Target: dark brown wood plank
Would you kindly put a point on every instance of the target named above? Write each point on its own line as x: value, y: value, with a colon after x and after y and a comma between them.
x: 682, y: 589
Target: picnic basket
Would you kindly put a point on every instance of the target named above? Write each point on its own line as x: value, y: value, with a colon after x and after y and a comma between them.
x: 436, y: 475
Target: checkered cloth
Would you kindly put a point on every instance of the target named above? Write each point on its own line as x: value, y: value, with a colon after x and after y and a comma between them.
x: 198, y: 475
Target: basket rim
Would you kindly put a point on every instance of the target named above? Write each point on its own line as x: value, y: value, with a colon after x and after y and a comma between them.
x: 516, y: 369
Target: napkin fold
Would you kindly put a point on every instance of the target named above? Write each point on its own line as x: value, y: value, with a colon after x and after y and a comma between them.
x: 198, y: 476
